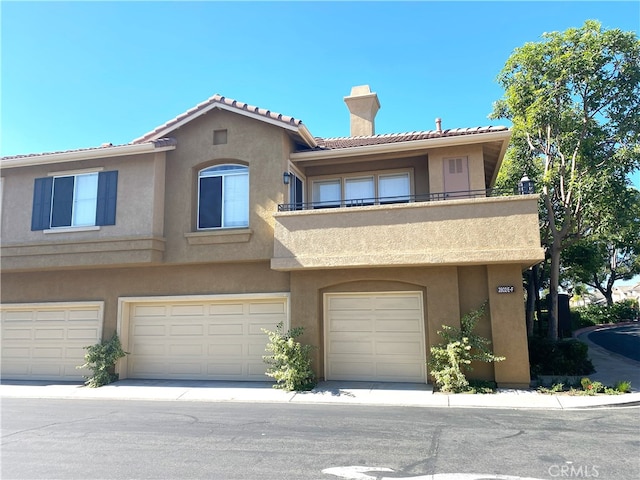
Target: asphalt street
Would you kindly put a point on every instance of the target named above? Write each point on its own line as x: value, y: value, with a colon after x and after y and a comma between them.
x: 623, y: 340
x: 101, y: 439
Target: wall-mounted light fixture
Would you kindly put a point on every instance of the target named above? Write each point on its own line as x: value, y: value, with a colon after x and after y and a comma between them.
x: 286, y: 178
x: 526, y: 186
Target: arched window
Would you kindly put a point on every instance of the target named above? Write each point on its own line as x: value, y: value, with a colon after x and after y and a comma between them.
x: 223, y: 197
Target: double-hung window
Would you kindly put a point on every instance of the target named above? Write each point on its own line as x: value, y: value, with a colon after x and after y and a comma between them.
x: 75, y: 200
x: 223, y: 197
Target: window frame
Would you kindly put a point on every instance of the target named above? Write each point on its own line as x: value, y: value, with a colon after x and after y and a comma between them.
x: 243, y: 171
x: 343, y: 178
x: 104, y: 201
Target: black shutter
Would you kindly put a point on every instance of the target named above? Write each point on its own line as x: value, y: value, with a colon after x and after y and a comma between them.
x: 107, y: 198
x: 41, y: 212
x: 62, y: 201
x: 210, y: 202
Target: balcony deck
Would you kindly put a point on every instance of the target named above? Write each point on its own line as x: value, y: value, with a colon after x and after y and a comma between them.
x: 465, y: 228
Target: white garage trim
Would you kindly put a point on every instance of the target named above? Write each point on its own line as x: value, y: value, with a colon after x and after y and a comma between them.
x: 45, y: 341
x: 198, y: 336
x: 375, y: 336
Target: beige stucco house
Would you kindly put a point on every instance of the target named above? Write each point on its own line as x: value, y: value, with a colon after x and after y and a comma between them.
x: 228, y: 219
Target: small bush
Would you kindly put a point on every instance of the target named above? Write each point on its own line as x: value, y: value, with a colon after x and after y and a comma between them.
x: 101, y: 358
x: 587, y: 387
x: 562, y: 357
x: 290, y: 361
x: 598, y: 314
x: 623, y: 386
x: 449, y: 361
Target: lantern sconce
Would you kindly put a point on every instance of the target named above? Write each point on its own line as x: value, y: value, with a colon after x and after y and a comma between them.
x: 526, y: 186
x: 286, y: 178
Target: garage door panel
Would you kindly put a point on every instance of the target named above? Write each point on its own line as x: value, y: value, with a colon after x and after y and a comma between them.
x: 88, y: 334
x: 83, y: 315
x: 351, y: 347
x: 185, y: 368
x: 179, y: 330
x: 197, y: 310
x: 15, y: 353
x: 49, y: 334
x: 225, y: 350
x: 226, y: 329
x: 46, y: 370
x: 353, y: 302
x: 256, y: 328
x: 231, y: 370
x: 375, y: 337
x: 394, y: 370
x: 17, y: 333
x: 343, y: 370
x: 347, y: 325
x: 19, y: 316
x: 257, y: 350
x: 399, y: 325
x: 49, y: 352
x: 255, y: 371
x: 185, y: 350
x: 399, y: 348
x: 227, y: 341
x: 51, y: 315
x: 266, y: 308
x: 149, y: 330
x: 397, y: 303
x: 226, y: 309
x: 149, y: 310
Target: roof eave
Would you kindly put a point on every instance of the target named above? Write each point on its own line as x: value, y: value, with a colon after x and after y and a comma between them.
x: 408, y: 146
x: 300, y: 129
x: 88, y: 154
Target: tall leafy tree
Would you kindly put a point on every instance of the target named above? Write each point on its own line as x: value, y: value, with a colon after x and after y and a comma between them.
x: 612, y: 251
x: 574, y: 101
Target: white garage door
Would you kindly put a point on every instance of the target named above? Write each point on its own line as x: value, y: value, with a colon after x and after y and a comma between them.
x: 375, y: 337
x: 204, y: 339
x: 46, y: 341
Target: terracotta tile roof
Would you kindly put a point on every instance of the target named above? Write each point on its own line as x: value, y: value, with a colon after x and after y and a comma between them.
x: 347, y: 142
x: 210, y: 103
x: 161, y: 142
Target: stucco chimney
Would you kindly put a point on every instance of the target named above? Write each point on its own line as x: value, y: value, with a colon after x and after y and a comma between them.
x: 363, y: 106
x: 439, y: 125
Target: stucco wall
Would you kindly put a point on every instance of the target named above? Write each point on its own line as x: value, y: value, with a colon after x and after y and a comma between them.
x: 458, y: 232
x: 140, y: 189
x: 263, y: 148
x: 449, y: 292
x: 109, y: 284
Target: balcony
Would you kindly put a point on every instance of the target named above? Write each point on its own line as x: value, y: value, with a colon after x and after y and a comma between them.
x: 463, y: 228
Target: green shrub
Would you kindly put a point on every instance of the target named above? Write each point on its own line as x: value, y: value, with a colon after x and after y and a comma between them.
x: 598, y: 314
x: 449, y: 361
x: 623, y: 386
x: 101, y: 358
x: 561, y: 357
x: 289, y: 361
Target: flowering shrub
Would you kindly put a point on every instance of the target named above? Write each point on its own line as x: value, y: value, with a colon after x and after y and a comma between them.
x: 289, y: 361
x: 448, y: 362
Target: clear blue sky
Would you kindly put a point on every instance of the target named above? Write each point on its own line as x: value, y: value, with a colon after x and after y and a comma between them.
x: 78, y: 74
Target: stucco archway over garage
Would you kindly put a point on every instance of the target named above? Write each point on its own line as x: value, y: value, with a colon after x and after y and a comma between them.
x: 375, y: 336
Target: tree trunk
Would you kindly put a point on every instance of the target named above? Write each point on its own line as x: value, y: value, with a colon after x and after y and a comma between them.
x: 531, y: 300
x: 554, y: 282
